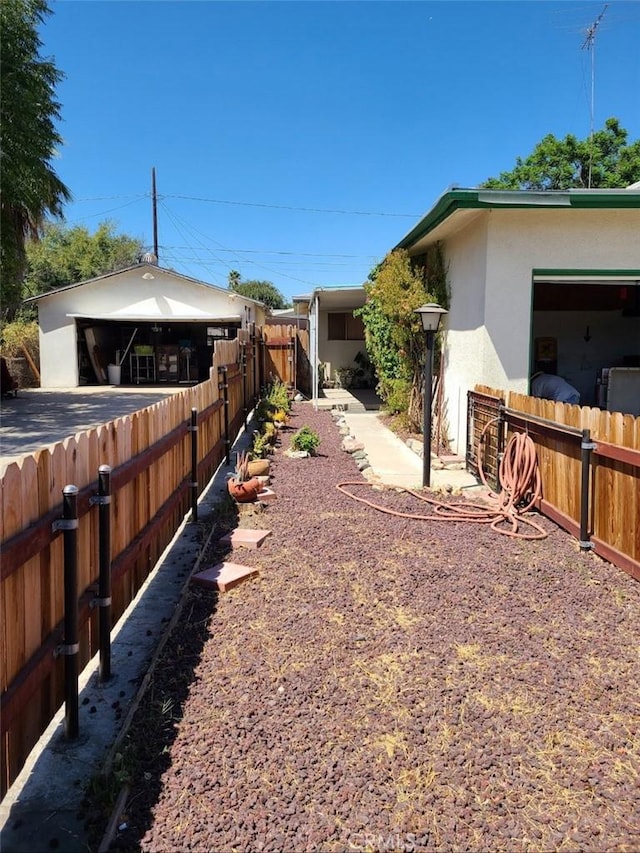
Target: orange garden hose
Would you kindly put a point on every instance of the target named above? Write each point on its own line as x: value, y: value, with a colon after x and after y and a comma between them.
x: 521, y: 487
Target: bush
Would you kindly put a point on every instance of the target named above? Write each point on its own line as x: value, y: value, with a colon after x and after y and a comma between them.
x: 306, y: 439
x: 396, y: 393
x: 18, y: 334
x: 277, y: 396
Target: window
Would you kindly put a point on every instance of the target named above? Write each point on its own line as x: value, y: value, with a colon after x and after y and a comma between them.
x: 345, y: 327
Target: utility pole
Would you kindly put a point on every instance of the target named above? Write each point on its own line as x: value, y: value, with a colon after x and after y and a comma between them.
x: 590, y: 44
x: 154, y: 203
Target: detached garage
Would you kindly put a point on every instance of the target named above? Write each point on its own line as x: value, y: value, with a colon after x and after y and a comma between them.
x: 143, y: 324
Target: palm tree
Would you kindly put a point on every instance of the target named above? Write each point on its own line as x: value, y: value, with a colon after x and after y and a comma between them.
x: 29, y: 187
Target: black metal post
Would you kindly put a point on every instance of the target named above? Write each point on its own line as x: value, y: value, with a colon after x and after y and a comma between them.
x: 104, y: 582
x: 70, y: 646
x: 586, y: 446
x: 243, y: 364
x: 426, y: 423
x: 499, y: 447
x: 225, y: 396
x: 254, y: 353
x: 193, y: 429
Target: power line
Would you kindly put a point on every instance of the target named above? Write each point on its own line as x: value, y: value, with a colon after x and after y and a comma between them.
x: 291, y: 207
x: 282, y: 252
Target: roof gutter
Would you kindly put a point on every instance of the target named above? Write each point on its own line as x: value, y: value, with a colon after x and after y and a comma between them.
x: 479, y: 199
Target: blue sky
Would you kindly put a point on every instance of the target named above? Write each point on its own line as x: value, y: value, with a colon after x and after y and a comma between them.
x: 297, y: 142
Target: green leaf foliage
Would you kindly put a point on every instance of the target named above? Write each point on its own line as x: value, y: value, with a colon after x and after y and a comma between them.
x: 29, y: 186
x: 69, y: 255
x: 262, y: 291
x: 394, y: 336
x: 307, y: 440
x: 604, y: 161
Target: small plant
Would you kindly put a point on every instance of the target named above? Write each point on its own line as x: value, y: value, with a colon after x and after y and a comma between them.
x: 261, y: 446
x: 278, y: 396
x: 270, y: 433
x: 242, y: 467
x: 306, y: 439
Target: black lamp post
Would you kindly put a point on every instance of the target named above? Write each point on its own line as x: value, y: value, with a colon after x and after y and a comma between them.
x: 430, y: 315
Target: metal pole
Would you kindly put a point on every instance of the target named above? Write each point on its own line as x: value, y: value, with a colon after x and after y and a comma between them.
x: 70, y: 647
x: 243, y: 363
x: 586, y: 447
x: 193, y: 429
x: 426, y: 406
x: 254, y: 364
x: 225, y: 394
x: 104, y: 583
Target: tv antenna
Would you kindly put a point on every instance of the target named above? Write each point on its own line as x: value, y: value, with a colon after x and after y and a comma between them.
x: 590, y: 45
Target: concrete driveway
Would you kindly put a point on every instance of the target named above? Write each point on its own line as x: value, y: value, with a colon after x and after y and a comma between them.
x: 38, y: 417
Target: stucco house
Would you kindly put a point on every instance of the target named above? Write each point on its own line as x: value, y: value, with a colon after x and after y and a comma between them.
x: 538, y: 280
x: 152, y: 323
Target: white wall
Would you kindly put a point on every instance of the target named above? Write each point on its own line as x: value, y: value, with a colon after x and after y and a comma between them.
x: 337, y: 353
x: 497, y: 254
x: 465, y: 337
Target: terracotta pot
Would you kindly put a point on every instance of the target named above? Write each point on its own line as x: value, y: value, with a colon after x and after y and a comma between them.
x: 244, y: 492
x: 258, y: 467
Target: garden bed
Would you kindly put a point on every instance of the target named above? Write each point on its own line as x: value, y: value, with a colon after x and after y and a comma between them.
x: 391, y: 684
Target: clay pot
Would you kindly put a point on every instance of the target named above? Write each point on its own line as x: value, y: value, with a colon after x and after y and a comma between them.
x: 244, y: 492
x: 258, y: 467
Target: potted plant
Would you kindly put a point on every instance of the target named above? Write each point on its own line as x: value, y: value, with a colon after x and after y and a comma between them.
x: 243, y: 488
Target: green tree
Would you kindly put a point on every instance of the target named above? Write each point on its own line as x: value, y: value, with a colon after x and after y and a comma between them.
x: 603, y: 161
x: 393, y: 331
x: 29, y: 187
x: 68, y: 255
x: 263, y: 291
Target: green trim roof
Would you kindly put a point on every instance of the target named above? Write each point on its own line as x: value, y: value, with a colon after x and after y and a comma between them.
x: 478, y: 199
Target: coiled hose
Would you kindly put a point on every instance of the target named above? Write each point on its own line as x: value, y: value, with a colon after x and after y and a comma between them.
x: 519, y: 477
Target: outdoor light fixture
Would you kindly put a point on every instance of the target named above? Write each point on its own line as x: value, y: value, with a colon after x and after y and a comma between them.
x: 430, y: 314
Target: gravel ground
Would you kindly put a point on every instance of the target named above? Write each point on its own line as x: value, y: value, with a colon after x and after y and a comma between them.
x: 391, y: 684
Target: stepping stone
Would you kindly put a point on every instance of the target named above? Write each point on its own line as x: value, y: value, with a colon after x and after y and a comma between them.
x: 223, y: 576
x: 266, y: 495
x: 244, y: 536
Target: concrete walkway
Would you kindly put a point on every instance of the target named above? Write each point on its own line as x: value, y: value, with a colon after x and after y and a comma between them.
x: 395, y: 464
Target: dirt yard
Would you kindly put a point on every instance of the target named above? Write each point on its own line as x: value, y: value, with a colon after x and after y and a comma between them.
x: 387, y: 684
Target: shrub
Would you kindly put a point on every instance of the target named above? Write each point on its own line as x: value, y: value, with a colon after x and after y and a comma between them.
x: 277, y: 396
x: 306, y: 439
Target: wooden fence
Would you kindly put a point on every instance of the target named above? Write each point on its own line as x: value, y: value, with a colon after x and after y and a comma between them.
x: 569, y: 439
x: 150, y: 455
x: 285, y: 354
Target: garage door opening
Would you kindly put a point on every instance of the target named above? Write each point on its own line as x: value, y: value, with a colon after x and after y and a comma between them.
x: 148, y: 352
x: 587, y: 329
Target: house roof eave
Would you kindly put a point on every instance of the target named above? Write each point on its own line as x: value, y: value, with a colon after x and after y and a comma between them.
x: 141, y: 266
x: 452, y: 201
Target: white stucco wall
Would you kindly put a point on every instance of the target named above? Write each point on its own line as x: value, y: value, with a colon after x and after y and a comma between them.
x: 126, y: 296
x: 490, y: 273
x: 336, y: 353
